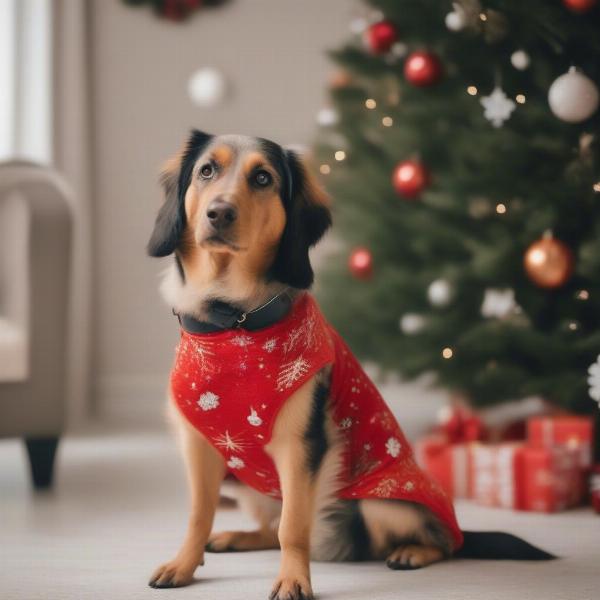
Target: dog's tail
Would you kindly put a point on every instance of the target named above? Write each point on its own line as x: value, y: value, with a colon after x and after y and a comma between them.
x: 496, y: 545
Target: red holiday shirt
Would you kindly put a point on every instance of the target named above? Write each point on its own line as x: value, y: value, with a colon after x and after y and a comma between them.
x: 231, y: 385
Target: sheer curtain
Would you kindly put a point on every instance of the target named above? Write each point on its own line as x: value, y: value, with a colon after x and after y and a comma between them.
x: 26, y: 80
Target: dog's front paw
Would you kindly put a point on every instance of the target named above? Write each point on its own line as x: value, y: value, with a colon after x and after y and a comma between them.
x: 176, y: 573
x: 292, y: 588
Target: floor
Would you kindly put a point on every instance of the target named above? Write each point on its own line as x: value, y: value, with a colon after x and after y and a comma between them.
x: 119, y: 509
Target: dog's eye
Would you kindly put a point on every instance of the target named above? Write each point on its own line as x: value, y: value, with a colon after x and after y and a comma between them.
x: 262, y: 178
x: 207, y: 171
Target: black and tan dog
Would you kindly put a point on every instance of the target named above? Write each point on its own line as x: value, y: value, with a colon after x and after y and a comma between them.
x: 239, y: 217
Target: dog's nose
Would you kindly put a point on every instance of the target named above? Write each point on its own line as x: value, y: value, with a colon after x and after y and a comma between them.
x: 221, y: 214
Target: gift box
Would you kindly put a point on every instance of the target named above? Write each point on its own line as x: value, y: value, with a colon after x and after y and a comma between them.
x: 448, y: 464
x: 551, y: 479
x: 496, y: 474
x: 571, y: 432
x: 518, y: 476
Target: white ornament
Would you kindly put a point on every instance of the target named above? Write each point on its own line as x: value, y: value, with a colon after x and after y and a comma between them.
x: 455, y: 20
x: 573, y: 97
x: 440, y: 292
x: 207, y: 87
x: 498, y: 107
x: 594, y: 381
x: 208, y: 401
x: 236, y: 463
x: 393, y: 447
x: 358, y: 25
x: 411, y: 323
x: 498, y: 303
x: 254, y: 419
x: 327, y: 117
x: 520, y: 60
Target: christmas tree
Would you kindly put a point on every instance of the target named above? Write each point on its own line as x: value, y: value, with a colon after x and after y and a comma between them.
x: 461, y: 148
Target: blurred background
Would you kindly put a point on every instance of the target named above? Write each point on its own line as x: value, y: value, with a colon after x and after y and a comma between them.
x: 96, y: 94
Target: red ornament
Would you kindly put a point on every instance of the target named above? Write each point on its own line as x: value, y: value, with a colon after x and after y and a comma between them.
x: 423, y: 68
x: 360, y: 263
x: 580, y: 6
x: 380, y: 37
x: 410, y: 178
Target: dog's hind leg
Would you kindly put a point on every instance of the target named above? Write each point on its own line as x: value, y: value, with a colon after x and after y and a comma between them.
x: 264, y: 510
x: 405, y: 534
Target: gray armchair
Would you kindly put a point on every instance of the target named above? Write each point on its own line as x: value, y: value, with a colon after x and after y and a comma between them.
x: 35, y: 239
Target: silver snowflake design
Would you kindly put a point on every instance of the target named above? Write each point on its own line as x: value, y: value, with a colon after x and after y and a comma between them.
x: 208, y: 401
x: 346, y: 423
x: 368, y: 447
x: 270, y: 345
x: 291, y: 372
x: 498, y: 303
x: 594, y: 380
x: 409, y: 486
x: 254, y: 419
x: 236, y: 463
x: 225, y: 440
x: 293, y: 338
x: 497, y: 107
x: 393, y: 447
x: 386, y: 487
x: 242, y: 341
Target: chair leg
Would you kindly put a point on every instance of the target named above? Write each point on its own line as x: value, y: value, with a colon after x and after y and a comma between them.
x: 41, y: 453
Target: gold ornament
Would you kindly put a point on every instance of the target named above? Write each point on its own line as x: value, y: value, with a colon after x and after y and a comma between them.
x: 549, y: 262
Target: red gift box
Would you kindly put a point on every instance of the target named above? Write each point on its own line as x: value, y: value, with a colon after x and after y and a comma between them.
x: 526, y: 478
x: 448, y: 464
x: 552, y: 479
x: 571, y: 432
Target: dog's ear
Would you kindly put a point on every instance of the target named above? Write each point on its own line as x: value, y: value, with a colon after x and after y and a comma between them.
x: 175, y: 180
x: 307, y: 218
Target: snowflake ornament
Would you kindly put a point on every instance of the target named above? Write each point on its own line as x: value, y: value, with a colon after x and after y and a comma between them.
x: 393, y: 447
x: 497, y: 107
x: 208, y: 401
x: 594, y: 381
x: 498, y: 303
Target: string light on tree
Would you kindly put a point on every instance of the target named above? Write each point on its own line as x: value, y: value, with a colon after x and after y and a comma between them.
x: 582, y: 295
x: 580, y: 6
x: 447, y: 353
x: 549, y: 262
x: 360, y: 263
x: 573, y: 97
x: 410, y: 178
x: 379, y: 37
x: 325, y: 169
x: 340, y: 155
x: 423, y: 68
x: 457, y: 19
x: 327, y: 117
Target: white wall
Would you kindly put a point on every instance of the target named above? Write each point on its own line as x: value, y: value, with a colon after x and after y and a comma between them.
x: 273, y: 52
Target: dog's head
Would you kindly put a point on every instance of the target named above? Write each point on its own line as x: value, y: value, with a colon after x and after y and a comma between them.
x: 242, y: 198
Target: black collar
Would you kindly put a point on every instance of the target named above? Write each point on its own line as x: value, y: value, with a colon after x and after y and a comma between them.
x: 222, y: 316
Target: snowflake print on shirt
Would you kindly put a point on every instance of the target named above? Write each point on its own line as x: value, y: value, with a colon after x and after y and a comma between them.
x: 228, y: 442
x: 254, y: 419
x: 291, y: 372
x: 270, y: 345
x: 393, y: 447
x: 208, y: 401
x: 242, y: 341
x: 235, y: 463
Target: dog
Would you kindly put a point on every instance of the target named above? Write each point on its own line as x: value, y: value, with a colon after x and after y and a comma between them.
x: 264, y: 389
